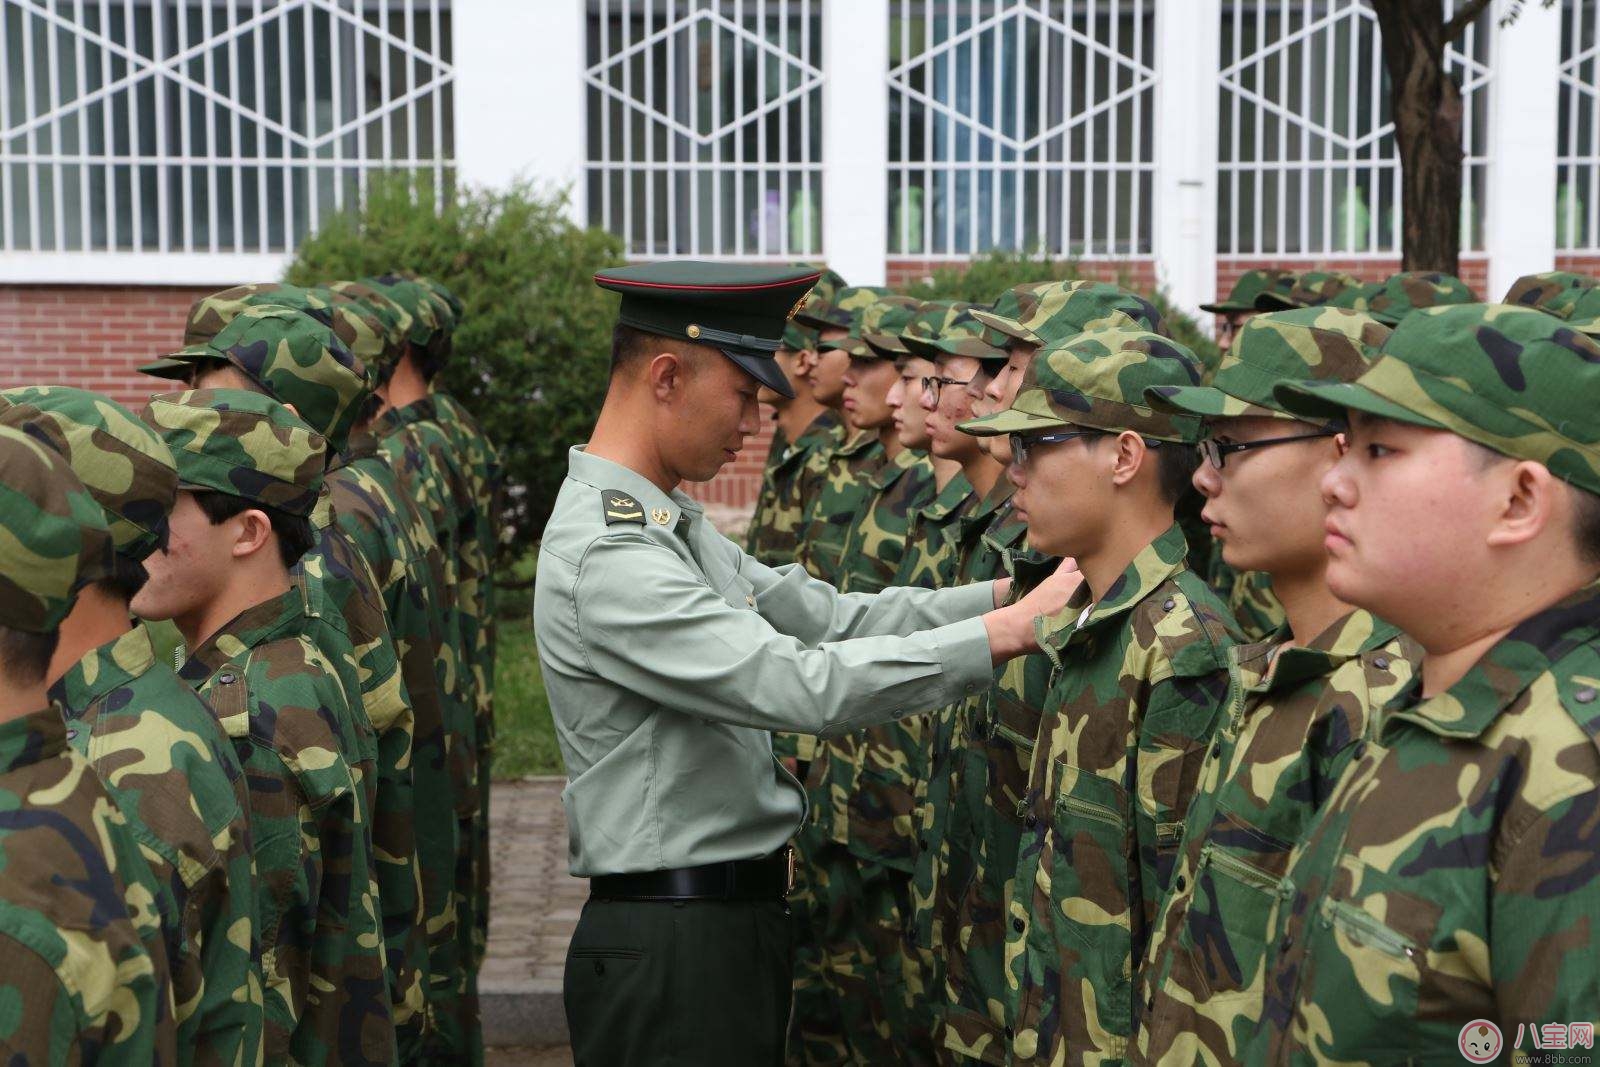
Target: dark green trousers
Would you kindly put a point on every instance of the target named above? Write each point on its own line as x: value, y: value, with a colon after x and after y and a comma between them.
x: 690, y: 983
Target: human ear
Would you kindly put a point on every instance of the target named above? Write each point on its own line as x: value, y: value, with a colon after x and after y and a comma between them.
x: 1530, y: 500
x: 254, y: 531
x: 666, y: 375
x: 1127, y: 457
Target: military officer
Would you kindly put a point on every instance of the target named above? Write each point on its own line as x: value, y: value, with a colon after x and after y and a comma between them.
x: 1450, y: 878
x: 668, y: 654
x: 83, y: 969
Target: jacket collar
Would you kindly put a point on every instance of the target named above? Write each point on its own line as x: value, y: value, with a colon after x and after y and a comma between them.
x: 1158, y: 562
x: 607, y: 476
x: 103, y: 670
x: 32, y: 739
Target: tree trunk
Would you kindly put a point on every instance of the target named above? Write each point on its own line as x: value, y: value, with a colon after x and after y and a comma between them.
x: 1427, y: 110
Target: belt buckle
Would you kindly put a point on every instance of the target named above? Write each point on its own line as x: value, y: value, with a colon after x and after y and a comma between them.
x: 788, y: 878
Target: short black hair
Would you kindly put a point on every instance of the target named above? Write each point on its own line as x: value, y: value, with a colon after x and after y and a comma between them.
x: 295, y: 536
x: 431, y: 358
x: 1175, y: 466
x: 629, y: 344
x: 127, y: 577
x: 1586, y: 523
x: 24, y: 656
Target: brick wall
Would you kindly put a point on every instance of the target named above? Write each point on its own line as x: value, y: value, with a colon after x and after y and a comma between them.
x: 1140, y: 272
x: 1580, y: 264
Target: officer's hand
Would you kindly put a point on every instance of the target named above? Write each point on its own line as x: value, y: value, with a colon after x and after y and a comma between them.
x: 1010, y: 628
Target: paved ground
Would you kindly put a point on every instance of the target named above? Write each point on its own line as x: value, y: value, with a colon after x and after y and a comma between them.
x: 535, y: 907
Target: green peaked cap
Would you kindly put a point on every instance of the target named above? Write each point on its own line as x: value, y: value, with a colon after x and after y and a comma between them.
x: 1513, y: 379
x: 242, y: 444
x: 955, y: 331
x: 1553, y: 290
x: 883, y: 323
x: 297, y: 359
x: 739, y: 309
x: 1307, y: 344
x: 123, y: 464
x: 1098, y: 380
x: 1399, y: 295
x: 1251, y: 284
x: 1054, y: 312
x: 55, y: 542
x: 898, y: 308
x: 1311, y: 289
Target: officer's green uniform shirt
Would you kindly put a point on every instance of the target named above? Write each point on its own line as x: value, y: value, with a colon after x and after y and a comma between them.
x: 668, y: 654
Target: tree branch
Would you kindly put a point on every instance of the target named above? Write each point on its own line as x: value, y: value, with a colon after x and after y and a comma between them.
x: 1464, y: 18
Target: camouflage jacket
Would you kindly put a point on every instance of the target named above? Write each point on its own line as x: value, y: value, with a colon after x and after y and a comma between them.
x: 172, y: 771
x: 943, y: 829
x: 1293, y: 713
x: 83, y: 968
x: 418, y: 904
x: 295, y: 727
x: 1141, y: 675
x: 1249, y: 596
x: 841, y: 476
x: 1452, y: 875
x: 998, y: 746
x: 930, y: 559
x: 774, y: 533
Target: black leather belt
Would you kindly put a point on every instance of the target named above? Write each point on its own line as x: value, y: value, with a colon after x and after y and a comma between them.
x: 768, y: 878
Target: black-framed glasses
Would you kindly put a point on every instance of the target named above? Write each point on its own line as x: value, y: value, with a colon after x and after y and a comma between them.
x: 1216, y: 453
x: 934, y: 383
x: 1021, y: 444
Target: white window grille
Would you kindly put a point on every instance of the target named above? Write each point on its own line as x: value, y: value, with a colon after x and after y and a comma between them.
x: 704, y: 126
x: 1021, y: 125
x: 1308, y: 164
x: 211, y: 126
x: 1578, y: 137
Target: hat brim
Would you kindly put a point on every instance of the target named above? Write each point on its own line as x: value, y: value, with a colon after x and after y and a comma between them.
x: 887, y: 345
x: 763, y: 369
x: 1010, y: 420
x: 1227, y: 307
x: 176, y: 367
x: 1274, y: 302
x: 1207, y: 401
x: 1321, y: 401
x: 955, y: 346
x: 1009, y: 327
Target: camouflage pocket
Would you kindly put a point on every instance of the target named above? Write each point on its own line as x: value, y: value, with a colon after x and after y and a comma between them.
x: 1226, y: 927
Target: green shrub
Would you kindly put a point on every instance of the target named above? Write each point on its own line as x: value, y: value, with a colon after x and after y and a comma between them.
x: 981, y: 281
x: 534, y: 342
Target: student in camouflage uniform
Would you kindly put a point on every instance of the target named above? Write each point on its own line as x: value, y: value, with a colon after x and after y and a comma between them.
x: 833, y: 480
x: 999, y: 729
x: 1239, y: 306
x: 1399, y: 295
x: 1297, y: 702
x: 1451, y: 875
x: 83, y: 968
x: 296, y: 359
x: 251, y: 473
x: 1139, y: 657
x: 436, y: 475
x: 158, y: 748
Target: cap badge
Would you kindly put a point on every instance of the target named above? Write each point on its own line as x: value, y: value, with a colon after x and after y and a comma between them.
x: 693, y: 331
x: 660, y: 516
x: 798, y: 304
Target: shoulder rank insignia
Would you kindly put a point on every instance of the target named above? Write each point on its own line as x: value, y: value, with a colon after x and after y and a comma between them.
x: 620, y: 507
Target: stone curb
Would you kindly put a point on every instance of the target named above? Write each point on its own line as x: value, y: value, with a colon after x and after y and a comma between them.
x: 527, y: 1016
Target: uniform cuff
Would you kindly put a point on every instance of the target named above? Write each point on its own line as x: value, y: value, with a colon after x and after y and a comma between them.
x: 965, y: 601
x: 965, y: 657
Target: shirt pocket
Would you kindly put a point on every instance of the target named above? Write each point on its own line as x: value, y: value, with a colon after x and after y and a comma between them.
x: 1090, y: 839
x: 1226, y: 928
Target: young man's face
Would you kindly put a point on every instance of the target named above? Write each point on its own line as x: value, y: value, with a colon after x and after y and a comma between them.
x: 192, y: 570
x: 788, y: 361
x: 1064, y: 493
x: 217, y: 374
x: 828, y: 369
x: 1002, y: 390
x: 1265, y: 506
x: 906, y: 399
x: 866, y: 392
x: 1228, y: 326
x: 952, y: 406
x: 1408, y: 512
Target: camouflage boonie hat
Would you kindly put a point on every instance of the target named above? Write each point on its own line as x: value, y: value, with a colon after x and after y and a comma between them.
x: 1512, y: 379
x: 241, y: 444
x: 393, y: 318
x: 839, y: 310
x: 1584, y: 313
x: 955, y: 333
x: 1058, y: 311
x: 1251, y: 284
x: 883, y: 323
x: 356, y: 323
x: 932, y: 319
x: 1098, y: 380
x: 426, y: 331
x: 1307, y: 344
x: 55, y: 542
x: 1010, y: 304
x: 209, y: 314
x: 452, y: 305
x: 1552, y: 291
x: 298, y: 360
x: 855, y: 341
x: 120, y: 461
x: 1311, y: 289
x: 1399, y: 295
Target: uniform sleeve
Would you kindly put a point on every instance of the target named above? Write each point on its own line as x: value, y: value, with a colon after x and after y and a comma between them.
x: 1545, y: 937
x: 647, y: 622
x: 43, y: 1025
x: 814, y: 612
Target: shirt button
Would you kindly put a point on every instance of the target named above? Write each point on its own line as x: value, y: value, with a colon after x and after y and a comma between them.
x: 1584, y: 695
x: 1168, y: 604
x: 1181, y: 884
x: 1361, y: 749
x: 1382, y: 663
x: 1010, y: 1033
x: 1216, y: 750
x: 1018, y: 925
x: 922, y: 844
x: 1031, y: 821
x: 1286, y: 944
x: 750, y: 600
x: 225, y: 679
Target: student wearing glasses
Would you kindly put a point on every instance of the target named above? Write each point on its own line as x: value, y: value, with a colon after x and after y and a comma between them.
x: 1299, y: 700
x: 1138, y: 679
